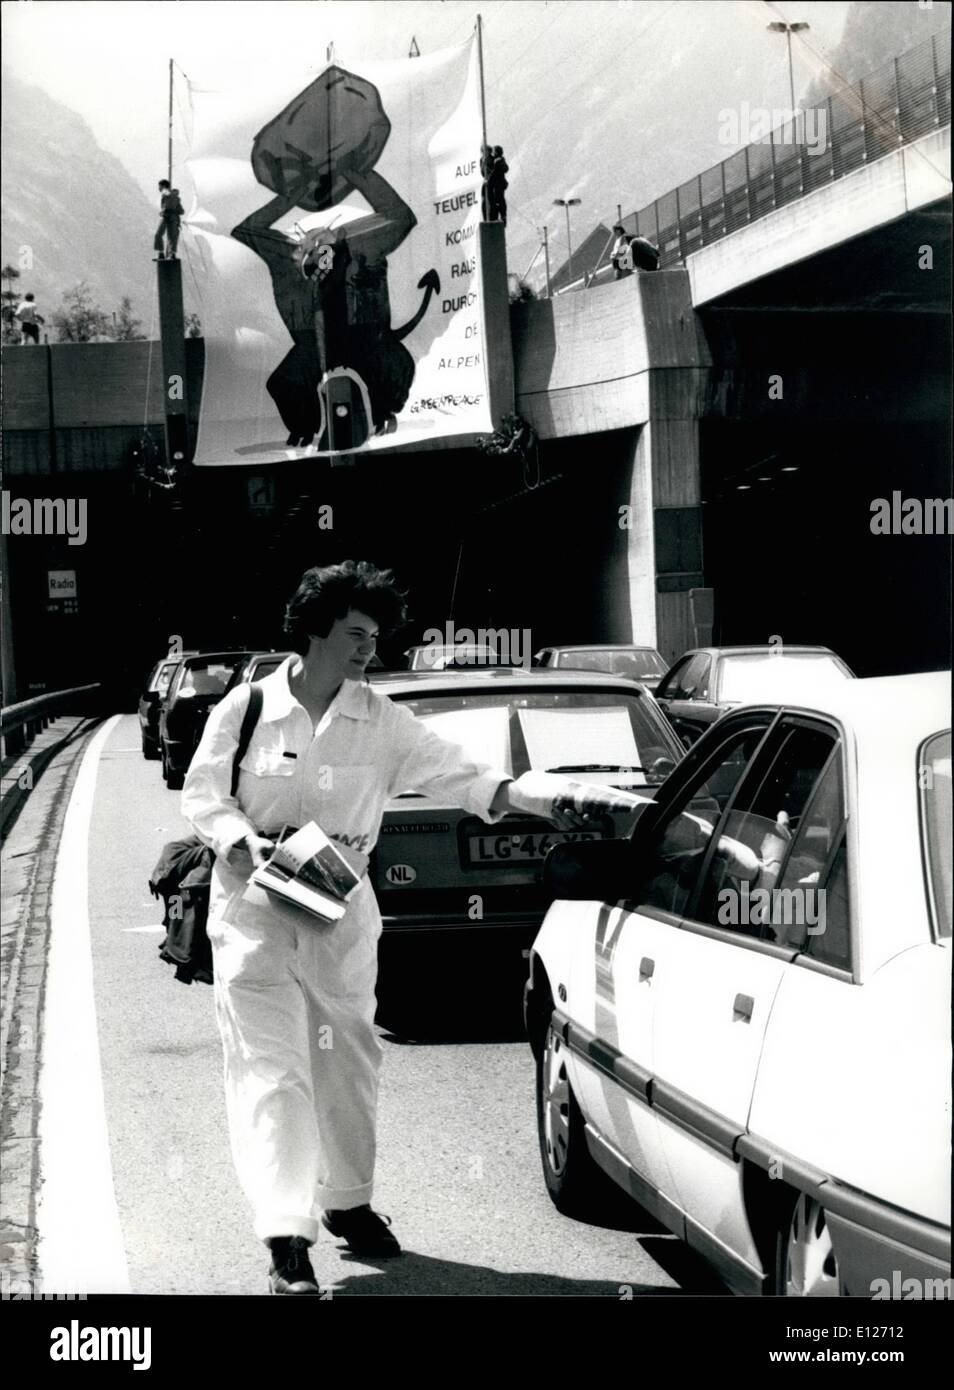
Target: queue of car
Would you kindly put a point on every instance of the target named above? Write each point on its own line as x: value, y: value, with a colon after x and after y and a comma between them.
x: 723, y: 989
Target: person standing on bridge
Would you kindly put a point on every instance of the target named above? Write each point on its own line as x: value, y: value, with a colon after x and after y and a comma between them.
x: 294, y: 998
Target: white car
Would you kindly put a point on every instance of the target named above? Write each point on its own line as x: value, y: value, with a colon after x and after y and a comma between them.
x: 742, y: 1014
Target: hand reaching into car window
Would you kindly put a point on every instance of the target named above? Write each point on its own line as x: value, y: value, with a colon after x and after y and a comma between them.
x: 572, y: 805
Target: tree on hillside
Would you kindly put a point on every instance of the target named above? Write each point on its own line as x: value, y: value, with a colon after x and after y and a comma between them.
x: 125, y: 327
x: 10, y: 296
x: 80, y: 320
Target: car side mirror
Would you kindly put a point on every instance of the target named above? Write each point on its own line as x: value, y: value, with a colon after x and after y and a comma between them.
x: 152, y: 697
x: 597, y: 870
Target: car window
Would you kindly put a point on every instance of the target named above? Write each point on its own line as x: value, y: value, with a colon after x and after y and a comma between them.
x: 265, y: 668
x: 610, y: 738
x: 638, y: 664
x: 668, y: 687
x: 934, y: 777
x: 670, y: 866
x: 206, y: 680
x: 741, y: 886
x: 757, y: 675
x: 694, y: 681
x: 165, y: 676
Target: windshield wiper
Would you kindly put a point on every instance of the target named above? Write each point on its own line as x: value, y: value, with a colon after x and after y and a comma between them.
x: 595, y: 767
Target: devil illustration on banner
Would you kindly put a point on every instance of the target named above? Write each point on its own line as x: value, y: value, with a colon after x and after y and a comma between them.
x: 347, y: 375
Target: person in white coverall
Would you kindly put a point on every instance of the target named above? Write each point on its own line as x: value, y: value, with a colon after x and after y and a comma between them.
x: 294, y: 997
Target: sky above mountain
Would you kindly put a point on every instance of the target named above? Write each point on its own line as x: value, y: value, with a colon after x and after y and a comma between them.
x: 611, y: 101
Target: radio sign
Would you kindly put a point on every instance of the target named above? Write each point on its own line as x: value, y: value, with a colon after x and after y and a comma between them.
x: 62, y: 584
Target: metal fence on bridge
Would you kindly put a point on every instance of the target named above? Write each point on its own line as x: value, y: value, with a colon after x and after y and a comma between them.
x: 906, y: 99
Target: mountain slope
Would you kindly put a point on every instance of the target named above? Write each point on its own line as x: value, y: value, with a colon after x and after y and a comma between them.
x: 70, y: 206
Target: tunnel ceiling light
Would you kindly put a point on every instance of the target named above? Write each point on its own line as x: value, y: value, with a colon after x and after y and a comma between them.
x: 743, y: 487
x: 790, y: 468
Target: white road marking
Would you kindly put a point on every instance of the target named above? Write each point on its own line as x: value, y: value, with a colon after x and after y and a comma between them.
x: 80, y: 1247
x: 159, y: 928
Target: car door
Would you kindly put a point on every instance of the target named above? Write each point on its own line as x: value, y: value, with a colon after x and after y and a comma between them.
x: 687, y: 702
x: 633, y: 940
x: 718, y: 983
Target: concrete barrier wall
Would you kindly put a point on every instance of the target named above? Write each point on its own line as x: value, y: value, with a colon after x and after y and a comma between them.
x: 582, y: 359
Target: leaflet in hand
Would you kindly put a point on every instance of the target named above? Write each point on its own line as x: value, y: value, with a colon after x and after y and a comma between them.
x: 312, y: 872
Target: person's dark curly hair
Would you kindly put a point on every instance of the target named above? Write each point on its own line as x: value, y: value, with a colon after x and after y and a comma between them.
x: 327, y: 594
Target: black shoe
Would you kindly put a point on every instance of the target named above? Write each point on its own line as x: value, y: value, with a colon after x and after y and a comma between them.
x: 365, y: 1231
x: 291, y: 1270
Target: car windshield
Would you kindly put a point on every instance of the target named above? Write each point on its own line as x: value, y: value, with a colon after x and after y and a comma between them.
x: 636, y: 664
x: 757, y: 675
x: 609, y: 738
x: 210, y: 679
x: 934, y: 776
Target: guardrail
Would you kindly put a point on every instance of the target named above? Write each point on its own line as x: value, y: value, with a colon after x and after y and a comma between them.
x: 892, y: 106
x: 19, y: 723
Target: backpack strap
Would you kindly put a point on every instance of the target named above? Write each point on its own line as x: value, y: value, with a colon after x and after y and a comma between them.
x: 249, y: 720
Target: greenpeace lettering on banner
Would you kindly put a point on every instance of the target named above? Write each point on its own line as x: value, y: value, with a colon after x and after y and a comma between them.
x: 336, y: 227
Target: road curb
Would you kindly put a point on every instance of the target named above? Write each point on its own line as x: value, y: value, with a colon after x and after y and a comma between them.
x: 28, y: 860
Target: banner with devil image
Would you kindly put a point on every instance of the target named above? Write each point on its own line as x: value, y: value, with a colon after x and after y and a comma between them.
x: 334, y: 249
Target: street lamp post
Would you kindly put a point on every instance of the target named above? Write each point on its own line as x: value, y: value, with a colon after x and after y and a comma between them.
x: 566, y: 204
x: 777, y: 27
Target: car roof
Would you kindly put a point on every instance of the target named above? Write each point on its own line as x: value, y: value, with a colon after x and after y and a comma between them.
x: 475, y: 679
x: 756, y: 649
x: 918, y: 704
x: 601, y: 647
x: 205, y: 658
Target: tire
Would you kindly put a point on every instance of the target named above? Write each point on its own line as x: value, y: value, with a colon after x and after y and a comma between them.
x: 577, y: 1185
x: 171, y: 776
x: 805, y: 1263
x: 150, y: 749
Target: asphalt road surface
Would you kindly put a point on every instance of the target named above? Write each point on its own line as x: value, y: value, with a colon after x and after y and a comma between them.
x: 458, y: 1166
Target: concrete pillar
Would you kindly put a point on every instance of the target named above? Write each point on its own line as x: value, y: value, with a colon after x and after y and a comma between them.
x: 6, y: 628
x: 495, y: 328
x: 172, y: 332
x: 664, y: 559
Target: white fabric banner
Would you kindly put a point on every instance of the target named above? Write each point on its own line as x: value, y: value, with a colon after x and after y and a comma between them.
x: 335, y: 255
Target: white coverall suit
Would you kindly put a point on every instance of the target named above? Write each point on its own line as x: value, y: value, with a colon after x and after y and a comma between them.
x: 294, y: 997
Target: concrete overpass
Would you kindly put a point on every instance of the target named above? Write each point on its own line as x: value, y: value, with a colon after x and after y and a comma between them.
x: 744, y: 403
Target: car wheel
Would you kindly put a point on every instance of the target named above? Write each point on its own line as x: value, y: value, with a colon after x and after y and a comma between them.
x: 175, y: 779
x: 165, y: 765
x: 577, y: 1185
x: 150, y: 749
x: 806, y: 1265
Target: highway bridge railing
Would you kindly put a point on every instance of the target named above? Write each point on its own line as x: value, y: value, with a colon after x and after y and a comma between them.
x: 21, y: 722
x: 893, y: 106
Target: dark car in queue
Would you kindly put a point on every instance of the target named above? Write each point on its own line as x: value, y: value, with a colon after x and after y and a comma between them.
x: 150, y: 702
x: 460, y: 899
x: 199, y: 683
x: 707, y: 681
x: 643, y: 664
